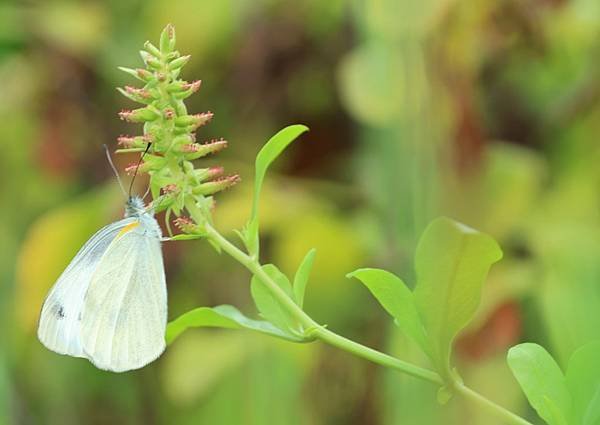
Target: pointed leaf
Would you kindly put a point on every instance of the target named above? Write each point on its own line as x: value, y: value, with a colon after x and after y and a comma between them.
x: 583, y: 381
x: 395, y: 297
x: 302, y: 275
x: 542, y: 382
x: 268, y: 306
x: 223, y: 316
x: 269, y: 152
x: 452, y: 261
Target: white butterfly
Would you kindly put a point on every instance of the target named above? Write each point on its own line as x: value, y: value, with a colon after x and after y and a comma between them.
x: 110, y: 304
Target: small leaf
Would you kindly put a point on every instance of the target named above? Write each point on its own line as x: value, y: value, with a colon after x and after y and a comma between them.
x: 269, y: 152
x: 395, y: 297
x: 451, y: 262
x: 583, y: 381
x: 223, y: 316
x: 301, y: 277
x: 542, y: 382
x: 268, y: 306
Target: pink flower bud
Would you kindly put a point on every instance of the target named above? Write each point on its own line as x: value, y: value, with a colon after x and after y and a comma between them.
x: 144, y: 74
x: 218, y: 185
x: 194, y: 121
x: 170, y: 189
x: 134, y: 142
x: 169, y: 113
x: 167, y: 39
x: 138, y: 115
x: 197, y: 150
x: 145, y: 94
x: 186, y: 225
x: 141, y: 168
x: 193, y: 86
x: 215, y: 172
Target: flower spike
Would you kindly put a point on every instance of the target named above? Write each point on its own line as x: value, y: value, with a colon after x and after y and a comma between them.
x: 169, y: 135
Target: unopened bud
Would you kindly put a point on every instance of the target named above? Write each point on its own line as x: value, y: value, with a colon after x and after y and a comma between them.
x: 135, y: 94
x: 144, y: 74
x: 134, y: 142
x: 196, y: 150
x: 194, y: 121
x: 150, y: 60
x: 187, y: 225
x: 170, y: 189
x: 215, y: 186
x: 167, y: 39
x: 179, y: 62
x: 193, y: 86
x: 140, y: 74
x: 141, y: 167
x: 215, y: 172
x: 169, y: 113
x: 152, y: 49
x: 151, y: 163
x: 138, y: 115
x: 188, y: 90
x: 203, y: 174
x: 139, y: 92
x: 176, y: 86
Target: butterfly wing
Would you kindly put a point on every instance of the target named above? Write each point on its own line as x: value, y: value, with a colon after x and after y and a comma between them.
x: 60, y: 318
x: 125, y: 310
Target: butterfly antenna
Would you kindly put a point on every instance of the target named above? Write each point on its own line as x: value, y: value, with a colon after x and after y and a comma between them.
x: 112, y: 166
x: 137, y: 168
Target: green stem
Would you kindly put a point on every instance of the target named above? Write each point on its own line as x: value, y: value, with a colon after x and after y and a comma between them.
x: 312, y: 327
x: 329, y: 337
x: 486, y: 404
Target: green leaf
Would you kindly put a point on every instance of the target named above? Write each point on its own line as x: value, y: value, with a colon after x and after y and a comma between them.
x: 395, y: 297
x: 542, y: 382
x: 269, y: 152
x: 301, y: 277
x: 268, y: 306
x: 583, y: 381
x: 451, y: 262
x: 223, y: 316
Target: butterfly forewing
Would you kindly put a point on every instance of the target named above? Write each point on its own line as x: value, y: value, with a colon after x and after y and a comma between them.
x: 60, y: 319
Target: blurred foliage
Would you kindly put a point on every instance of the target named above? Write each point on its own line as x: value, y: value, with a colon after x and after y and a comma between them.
x: 488, y: 112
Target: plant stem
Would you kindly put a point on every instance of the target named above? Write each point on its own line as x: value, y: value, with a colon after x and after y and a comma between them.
x: 493, y: 408
x: 314, y: 329
x: 375, y: 356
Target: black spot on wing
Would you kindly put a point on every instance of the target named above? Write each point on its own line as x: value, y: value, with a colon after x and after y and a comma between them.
x: 59, y: 311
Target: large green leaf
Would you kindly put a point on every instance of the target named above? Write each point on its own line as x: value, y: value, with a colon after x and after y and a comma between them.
x: 395, y: 297
x: 542, y: 382
x: 583, y: 381
x: 223, y: 316
x: 268, y: 306
x: 452, y: 261
x: 302, y: 275
x: 269, y: 152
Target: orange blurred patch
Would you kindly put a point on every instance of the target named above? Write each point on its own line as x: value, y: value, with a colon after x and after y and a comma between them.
x: 500, y: 331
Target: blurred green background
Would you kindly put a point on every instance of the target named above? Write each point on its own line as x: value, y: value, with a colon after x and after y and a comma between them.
x: 486, y: 111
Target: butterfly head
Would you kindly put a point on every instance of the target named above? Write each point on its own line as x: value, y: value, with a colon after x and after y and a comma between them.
x: 135, y: 207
